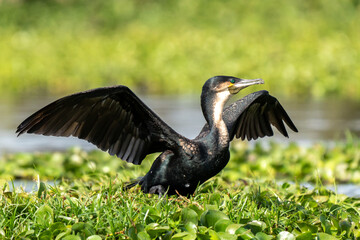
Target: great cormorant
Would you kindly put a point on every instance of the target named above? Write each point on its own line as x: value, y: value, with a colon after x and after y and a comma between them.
x: 117, y: 121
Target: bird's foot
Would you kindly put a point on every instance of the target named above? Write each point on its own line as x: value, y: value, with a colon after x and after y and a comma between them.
x: 158, y: 189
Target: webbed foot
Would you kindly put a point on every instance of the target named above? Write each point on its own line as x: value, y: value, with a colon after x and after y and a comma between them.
x: 158, y: 189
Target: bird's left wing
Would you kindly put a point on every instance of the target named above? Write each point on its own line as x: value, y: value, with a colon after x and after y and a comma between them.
x: 251, y: 116
x: 112, y: 118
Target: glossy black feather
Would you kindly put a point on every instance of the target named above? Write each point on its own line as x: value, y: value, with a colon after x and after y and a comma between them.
x: 113, y: 118
x: 251, y: 116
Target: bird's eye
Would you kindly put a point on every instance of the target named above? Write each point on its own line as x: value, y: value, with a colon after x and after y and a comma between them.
x: 232, y: 81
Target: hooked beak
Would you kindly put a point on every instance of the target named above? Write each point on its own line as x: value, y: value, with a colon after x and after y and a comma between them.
x: 243, y: 83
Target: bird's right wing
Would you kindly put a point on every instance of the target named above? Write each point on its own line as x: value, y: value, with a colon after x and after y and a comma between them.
x: 252, y: 116
x: 112, y: 118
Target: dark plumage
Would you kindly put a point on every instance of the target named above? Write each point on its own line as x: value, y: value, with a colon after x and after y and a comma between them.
x: 117, y: 121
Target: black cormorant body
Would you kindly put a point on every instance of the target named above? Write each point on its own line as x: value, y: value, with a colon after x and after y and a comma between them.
x: 117, y: 121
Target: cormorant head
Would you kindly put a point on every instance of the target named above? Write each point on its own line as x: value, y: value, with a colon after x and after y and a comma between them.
x: 217, y: 91
x: 229, y: 84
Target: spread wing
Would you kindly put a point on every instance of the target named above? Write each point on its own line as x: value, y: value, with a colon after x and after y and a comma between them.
x: 252, y: 116
x: 112, y: 118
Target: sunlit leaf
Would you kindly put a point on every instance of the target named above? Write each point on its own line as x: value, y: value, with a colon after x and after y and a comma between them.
x: 210, y: 217
x: 189, y: 215
x: 94, y: 237
x: 44, y: 215
x: 184, y: 236
x: 285, y: 235
x: 325, y: 236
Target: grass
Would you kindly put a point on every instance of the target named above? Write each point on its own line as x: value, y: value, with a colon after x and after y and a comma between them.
x: 243, y: 202
x: 300, y: 48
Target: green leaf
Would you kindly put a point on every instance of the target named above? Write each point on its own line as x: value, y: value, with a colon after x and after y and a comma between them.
x: 189, y: 215
x: 255, y: 226
x: 210, y: 217
x: 305, y: 236
x: 213, y: 235
x: 326, y: 224
x: 57, y: 227
x: 44, y: 215
x: 184, y: 236
x: 63, y: 234
x: 222, y: 224
x: 78, y: 226
x: 325, y: 236
x: 94, y: 237
x: 244, y: 233
x: 191, y: 227
x: 46, y: 235
x: 344, y: 226
x: 41, y: 190
x: 285, y: 235
x: 306, y: 227
x: 263, y: 236
x: 71, y: 237
x: 143, y: 236
x: 150, y: 214
x: 155, y: 230
x: 226, y: 236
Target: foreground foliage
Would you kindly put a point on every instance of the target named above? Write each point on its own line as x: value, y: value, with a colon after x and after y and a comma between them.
x: 299, y: 47
x: 88, y: 202
x: 100, y: 209
x: 329, y: 164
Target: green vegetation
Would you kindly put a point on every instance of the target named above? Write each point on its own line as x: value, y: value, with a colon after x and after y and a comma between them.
x: 330, y: 165
x: 301, y: 48
x: 243, y: 202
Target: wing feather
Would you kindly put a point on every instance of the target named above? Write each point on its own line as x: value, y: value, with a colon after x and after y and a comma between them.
x: 252, y: 116
x: 113, y: 118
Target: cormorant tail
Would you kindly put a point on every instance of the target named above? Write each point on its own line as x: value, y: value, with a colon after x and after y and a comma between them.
x: 132, y: 183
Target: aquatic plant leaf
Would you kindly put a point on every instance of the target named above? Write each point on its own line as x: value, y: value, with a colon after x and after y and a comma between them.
x: 244, y: 233
x: 44, y: 215
x: 72, y: 237
x: 213, y: 235
x: 143, y: 236
x: 57, y: 227
x: 94, y: 237
x: 325, y: 224
x: 191, y: 227
x: 210, y: 217
x: 155, y: 230
x: 226, y: 236
x: 222, y: 225
x: 305, y: 236
x: 255, y: 226
x: 189, y: 215
x: 263, y: 236
x: 285, y: 235
x: 184, y: 236
x: 62, y: 235
x: 325, y: 236
x: 45, y: 235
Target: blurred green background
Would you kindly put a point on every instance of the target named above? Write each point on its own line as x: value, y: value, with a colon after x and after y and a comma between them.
x: 302, y: 48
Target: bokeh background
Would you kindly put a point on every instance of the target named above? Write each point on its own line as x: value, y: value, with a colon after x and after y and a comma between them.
x: 308, y: 53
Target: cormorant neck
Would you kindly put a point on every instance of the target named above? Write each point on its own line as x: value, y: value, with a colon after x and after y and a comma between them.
x: 212, y: 105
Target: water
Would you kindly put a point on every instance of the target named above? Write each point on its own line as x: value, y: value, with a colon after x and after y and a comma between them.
x: 317, y: 121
